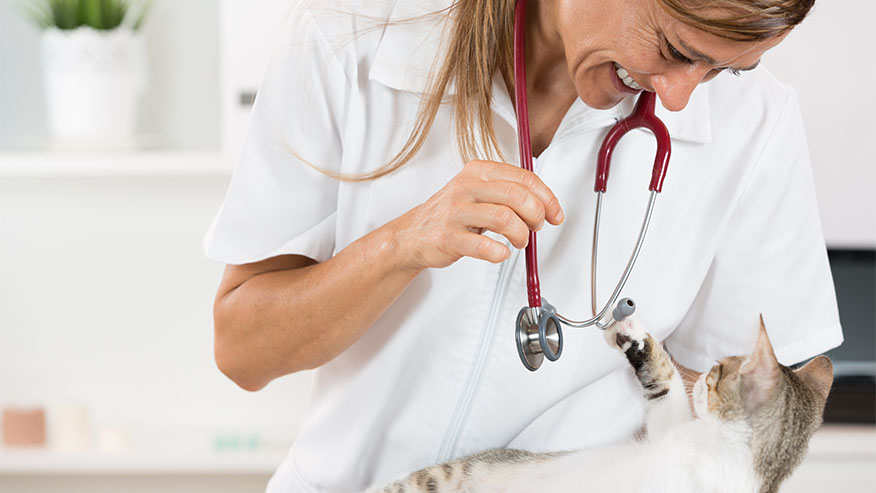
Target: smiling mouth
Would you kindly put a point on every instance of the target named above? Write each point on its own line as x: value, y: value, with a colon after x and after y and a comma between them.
x: 624, y: 76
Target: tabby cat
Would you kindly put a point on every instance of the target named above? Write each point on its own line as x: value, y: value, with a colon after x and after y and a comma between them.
x: 754, y: 418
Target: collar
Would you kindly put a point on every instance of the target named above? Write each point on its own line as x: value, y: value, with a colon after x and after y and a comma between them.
x: 412, y: 45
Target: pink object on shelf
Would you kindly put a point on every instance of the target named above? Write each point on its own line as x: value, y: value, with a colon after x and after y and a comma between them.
x: 24, y: 427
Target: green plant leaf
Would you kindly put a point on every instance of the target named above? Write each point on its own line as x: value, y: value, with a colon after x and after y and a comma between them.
x: 145, y: 7
x: 39, y: 14
x: 98, y: 14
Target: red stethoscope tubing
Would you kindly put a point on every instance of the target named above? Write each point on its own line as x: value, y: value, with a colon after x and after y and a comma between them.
x: 523, y: 141
x: 642, y: 116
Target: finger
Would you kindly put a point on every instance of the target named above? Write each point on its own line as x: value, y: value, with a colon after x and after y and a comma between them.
x: 480, y: 247
x: 498, y: 219
x: 515, y: 196
x: 491, y: 170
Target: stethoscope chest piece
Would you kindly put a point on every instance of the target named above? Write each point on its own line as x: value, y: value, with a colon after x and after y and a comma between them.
x: 539, y: 335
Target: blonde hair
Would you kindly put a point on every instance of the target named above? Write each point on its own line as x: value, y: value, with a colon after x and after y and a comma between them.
x: 481, y: 44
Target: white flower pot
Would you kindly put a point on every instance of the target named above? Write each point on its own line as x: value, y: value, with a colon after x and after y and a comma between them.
x: 94, y: 81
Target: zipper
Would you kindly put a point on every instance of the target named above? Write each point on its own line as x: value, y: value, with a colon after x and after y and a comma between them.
x: 473, y: 380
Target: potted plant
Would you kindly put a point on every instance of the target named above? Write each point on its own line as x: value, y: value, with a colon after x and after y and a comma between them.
x: 94, y: 64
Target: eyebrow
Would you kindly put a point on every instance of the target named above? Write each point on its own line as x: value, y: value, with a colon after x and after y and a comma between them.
x: 702, y: 56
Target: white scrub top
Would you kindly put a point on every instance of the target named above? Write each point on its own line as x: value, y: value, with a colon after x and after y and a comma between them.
x: 734, y: 234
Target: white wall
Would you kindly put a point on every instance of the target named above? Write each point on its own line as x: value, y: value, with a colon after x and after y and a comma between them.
x: 829, y: 60
x: 248, y: 31
x: 106, y: 297
x: 106, y: 301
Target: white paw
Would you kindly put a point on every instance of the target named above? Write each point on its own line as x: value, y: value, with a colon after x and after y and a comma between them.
x: 622, y: 335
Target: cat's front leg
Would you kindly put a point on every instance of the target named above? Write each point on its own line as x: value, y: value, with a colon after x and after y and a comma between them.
x: 666, y: 402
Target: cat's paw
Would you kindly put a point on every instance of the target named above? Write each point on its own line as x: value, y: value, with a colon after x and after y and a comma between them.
x: 626, y: 334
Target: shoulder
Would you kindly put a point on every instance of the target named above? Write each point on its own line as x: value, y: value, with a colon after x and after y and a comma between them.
x: 346, y: 29
x: 395, y: 43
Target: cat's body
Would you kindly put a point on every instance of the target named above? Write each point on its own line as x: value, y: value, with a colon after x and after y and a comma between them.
x: 754, y: 420
x: 663, y: 466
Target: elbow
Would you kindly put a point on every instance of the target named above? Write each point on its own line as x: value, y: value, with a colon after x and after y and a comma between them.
x: 242, y: 358
x: 231, y: 366
x: 231, y: 360
x: 234, y: 373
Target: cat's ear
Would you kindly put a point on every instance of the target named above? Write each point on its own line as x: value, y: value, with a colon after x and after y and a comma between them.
x: 760, y: 373
x: 817, y: 375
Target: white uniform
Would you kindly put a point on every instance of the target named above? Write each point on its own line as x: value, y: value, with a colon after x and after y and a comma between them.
x: 735, y: 233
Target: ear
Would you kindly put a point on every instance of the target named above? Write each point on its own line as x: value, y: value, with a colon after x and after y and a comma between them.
x: 817, y: 375
x: 759, y: 373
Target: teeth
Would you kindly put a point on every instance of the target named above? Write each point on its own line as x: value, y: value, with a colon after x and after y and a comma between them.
x: 625, y: 76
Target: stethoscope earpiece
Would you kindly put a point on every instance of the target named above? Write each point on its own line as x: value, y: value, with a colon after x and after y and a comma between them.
x: 625, y: 307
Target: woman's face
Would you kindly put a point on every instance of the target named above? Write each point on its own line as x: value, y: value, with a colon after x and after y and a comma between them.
x: 660, y: 53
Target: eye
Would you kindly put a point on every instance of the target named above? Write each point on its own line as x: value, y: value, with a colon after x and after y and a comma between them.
x: 677, y: 55
x: 734, y: 72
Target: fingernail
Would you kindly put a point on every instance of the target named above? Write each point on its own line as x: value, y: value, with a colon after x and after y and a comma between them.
x: 560, y: 217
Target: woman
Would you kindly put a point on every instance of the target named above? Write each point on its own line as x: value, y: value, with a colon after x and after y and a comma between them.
x: 400, y: 282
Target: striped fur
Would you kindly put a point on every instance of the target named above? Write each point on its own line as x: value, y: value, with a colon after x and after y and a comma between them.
x: 756, y: 418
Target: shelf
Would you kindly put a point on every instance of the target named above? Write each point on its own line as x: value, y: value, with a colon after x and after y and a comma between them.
x: 42, y: 462
x: 839, y: 440
x: 115, y: 163
x: 831, y: 443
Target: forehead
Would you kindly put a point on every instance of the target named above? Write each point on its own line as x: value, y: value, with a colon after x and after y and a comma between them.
x: 731, y: 364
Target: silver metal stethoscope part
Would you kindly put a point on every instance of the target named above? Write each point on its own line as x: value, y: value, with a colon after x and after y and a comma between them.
x: 539, y: 335
x: 539, y: 329
x: 539, y: 332
x: 626, y: 275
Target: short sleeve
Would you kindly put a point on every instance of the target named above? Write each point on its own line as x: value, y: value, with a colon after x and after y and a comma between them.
x: 277, y: 203
x: 772, y: 261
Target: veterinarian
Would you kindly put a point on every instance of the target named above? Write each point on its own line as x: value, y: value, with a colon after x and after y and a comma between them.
x: 373, y: 227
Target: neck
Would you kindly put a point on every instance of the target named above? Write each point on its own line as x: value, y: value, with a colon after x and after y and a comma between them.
x: 546, y: 69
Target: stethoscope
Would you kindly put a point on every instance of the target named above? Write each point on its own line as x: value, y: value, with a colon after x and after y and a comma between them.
x: 539, y: 334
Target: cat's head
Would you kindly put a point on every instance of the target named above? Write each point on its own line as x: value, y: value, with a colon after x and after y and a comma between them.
x: 781, y: 406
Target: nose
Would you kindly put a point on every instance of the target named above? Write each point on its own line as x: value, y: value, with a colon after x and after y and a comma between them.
x: 675, y: 85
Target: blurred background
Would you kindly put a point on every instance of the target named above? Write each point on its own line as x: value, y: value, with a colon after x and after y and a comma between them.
x: 113, y: 161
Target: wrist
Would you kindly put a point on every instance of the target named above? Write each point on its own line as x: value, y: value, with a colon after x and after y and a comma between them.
x: 395, y: 247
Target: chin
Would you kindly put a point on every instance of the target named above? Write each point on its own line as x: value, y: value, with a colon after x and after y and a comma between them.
x: 595, y: 88
x: 601, y: 101
x: 701, y: 397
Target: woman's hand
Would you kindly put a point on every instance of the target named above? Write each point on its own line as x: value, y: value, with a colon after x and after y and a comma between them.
x: 485, y: 195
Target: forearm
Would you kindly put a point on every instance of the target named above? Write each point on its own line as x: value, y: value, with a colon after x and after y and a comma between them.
x: 285, y: 321
x: 284, y: 315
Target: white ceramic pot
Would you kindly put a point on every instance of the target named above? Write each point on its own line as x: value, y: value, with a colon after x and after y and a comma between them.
x: 94, y: 81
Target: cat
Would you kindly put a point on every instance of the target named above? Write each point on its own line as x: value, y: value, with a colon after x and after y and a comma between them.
x: 754, y: 418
